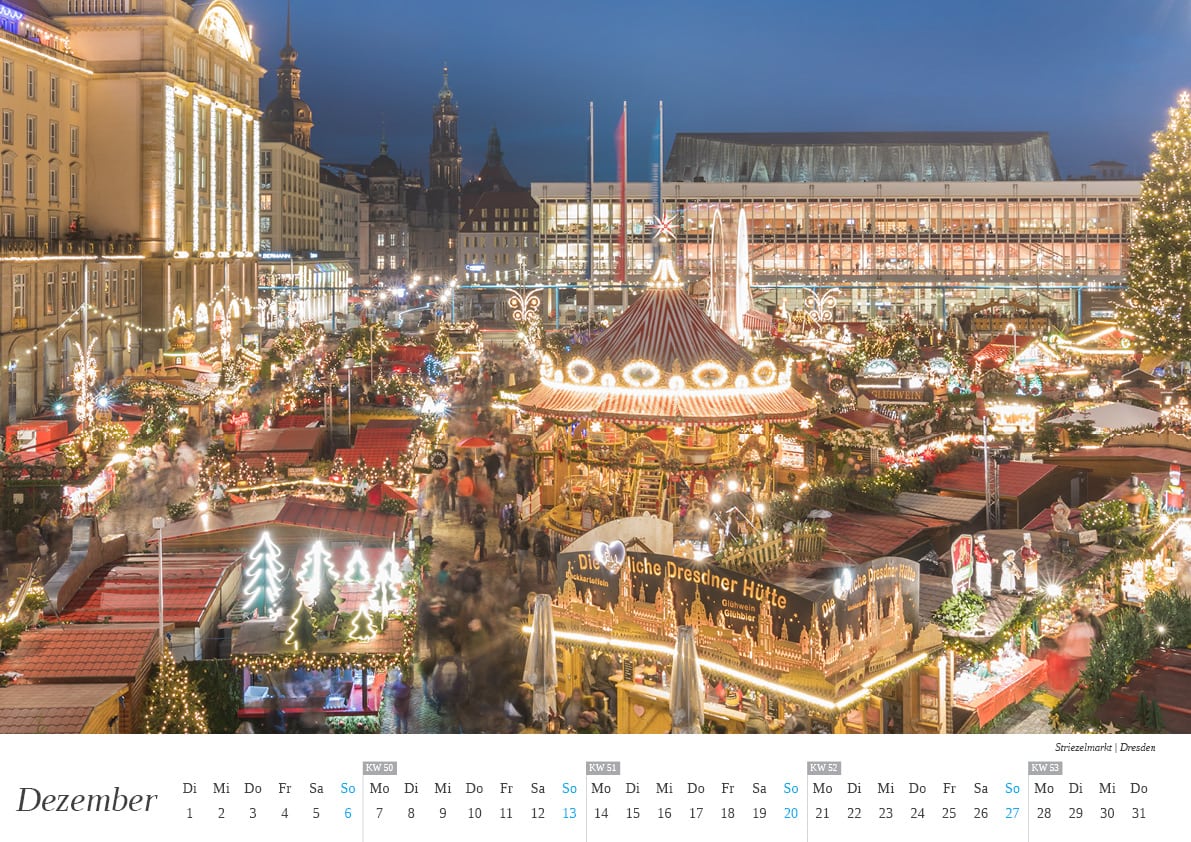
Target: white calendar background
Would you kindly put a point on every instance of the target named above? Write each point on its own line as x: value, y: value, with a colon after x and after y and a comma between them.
x: 587, y: 787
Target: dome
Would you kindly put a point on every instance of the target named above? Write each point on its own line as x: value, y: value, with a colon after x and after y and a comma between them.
x: 383, y: 166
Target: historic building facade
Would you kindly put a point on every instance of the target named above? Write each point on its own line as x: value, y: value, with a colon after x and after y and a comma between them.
x: 173, y: 153
x: 127, y: 182
x: 297, y: 280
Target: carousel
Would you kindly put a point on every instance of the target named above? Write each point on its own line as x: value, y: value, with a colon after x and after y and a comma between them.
x: 662, y: 415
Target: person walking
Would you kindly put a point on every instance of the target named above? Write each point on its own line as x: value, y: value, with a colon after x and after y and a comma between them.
x: 479, y: 528
x: 400, y: 694
x: 541, y: 553
x: 466, y: 492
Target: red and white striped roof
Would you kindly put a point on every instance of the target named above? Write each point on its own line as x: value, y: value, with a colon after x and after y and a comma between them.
x: 664, y: 326
x: 665, y: 406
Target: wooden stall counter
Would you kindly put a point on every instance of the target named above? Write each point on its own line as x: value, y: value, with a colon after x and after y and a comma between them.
x: 642, y: 709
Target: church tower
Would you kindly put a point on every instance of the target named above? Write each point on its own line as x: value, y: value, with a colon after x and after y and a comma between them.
x: 288, y: 119
x: 446, y: 157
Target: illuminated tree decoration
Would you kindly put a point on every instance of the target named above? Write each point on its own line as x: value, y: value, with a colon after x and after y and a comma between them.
x: 362, y: 627
x: 301, y: 629
x: 174, y: 706
x: 357, y: 569
x: 1158, y: 300
x: 262, y: 579
x: 385, y: 588
x: 316, y: 568
x: 84, y: 377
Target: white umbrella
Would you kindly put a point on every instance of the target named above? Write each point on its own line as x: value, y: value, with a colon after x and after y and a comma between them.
x: 686, y: 685
x: 1113, y: 416
x: 541, y: 662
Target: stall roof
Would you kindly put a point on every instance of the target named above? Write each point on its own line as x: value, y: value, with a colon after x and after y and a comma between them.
x: 317, y: 515
x: 1164, y: 676
x: 1052, y: 567
x: 126, y: 592
x: 861, y: 536
x: 957, y: 509
x: 52, y: 709
x: 291, y: 439
x: 261, y: 637
x: 1016, y: 478
x: 82, y: 653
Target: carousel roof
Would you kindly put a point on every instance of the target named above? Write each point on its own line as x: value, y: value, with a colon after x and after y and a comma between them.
x: 665, y: 361
x: 665, y: 326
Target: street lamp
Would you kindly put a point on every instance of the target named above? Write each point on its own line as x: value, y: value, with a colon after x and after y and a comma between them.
x: 12, y: 392
x: 159, y: 525
x: 349, y: 362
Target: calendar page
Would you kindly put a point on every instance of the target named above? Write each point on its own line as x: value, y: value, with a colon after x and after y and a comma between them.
x: 503, y: 787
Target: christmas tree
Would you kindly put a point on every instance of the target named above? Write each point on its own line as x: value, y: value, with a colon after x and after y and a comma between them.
x: 362, y: 627
x: 174, y: 707
x: 301, y: 629
x: 327, y: 601
x: 1158, y: 301
x: 315, y: 569
x: 443, y: 348
x: 357, y: 569
x: 289, y: 598
x: 262, y: 579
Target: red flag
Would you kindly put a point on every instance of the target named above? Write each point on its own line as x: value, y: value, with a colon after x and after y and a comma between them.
x: 622, y: 167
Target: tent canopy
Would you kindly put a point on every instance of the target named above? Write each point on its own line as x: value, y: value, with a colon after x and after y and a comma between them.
x: 1113, y: 416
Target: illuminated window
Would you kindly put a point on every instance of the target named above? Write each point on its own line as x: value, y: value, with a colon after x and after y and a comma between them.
x: 6, y: 126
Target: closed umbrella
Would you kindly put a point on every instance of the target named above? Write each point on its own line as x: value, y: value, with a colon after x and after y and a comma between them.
x: 541, y: 662
x: 686, y: 685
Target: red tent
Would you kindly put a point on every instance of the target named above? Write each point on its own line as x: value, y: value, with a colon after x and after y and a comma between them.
x: 382, y: 491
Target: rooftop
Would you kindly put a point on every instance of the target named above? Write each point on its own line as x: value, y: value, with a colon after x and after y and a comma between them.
x: 52, y: 709
x: 1016, y: 478
x: 82, y: 653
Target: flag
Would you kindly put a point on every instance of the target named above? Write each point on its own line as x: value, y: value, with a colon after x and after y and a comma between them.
x: 622, y: 166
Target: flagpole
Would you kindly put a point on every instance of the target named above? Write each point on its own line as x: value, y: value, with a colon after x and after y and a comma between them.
x: 590, y: 208
x: 624, y: 204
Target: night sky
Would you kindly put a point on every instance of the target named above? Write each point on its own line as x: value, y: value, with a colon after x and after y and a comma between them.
x: 1097, y: 74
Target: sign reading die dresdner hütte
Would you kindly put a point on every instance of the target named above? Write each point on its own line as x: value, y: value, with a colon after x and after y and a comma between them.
x: 828, y: 621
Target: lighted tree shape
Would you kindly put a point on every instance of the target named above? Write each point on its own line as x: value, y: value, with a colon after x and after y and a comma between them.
x: 384, y: 593
x: 362, y: 627
x: 315, y: 570
x: 357, y: 569
x: 1158, y: 301
x: 262, y: 579
x: 301, y: 634
x: 174, y: 706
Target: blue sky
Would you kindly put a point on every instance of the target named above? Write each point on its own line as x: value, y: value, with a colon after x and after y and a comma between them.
x: 1097, y: 74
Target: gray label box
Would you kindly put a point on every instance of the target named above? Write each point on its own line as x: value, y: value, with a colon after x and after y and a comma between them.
x: 1046, y: 767
x: 603, y: 767
x: 380, y: 767
x: 824, y: 767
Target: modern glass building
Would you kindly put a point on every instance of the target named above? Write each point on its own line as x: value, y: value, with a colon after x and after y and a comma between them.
x: 930, y: 249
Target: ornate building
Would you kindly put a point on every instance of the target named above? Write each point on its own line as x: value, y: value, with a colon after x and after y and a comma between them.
x: 130, y: 128
x: 498, y: 235
x: 174, y: 140
x: 298, y: 280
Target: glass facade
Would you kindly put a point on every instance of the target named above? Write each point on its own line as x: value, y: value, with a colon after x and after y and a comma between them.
x: 891, y: 248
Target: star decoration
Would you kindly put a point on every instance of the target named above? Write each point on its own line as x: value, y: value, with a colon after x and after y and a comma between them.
x: 663, y: 227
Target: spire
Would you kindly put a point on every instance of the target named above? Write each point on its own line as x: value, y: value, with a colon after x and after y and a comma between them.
x: 444, y: 94
x: 495, y: 156
x: 288, y: 54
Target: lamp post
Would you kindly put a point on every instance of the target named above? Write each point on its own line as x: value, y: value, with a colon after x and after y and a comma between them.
x: 12, y: 392
x: 349, y: 362
x: 159, y: 525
